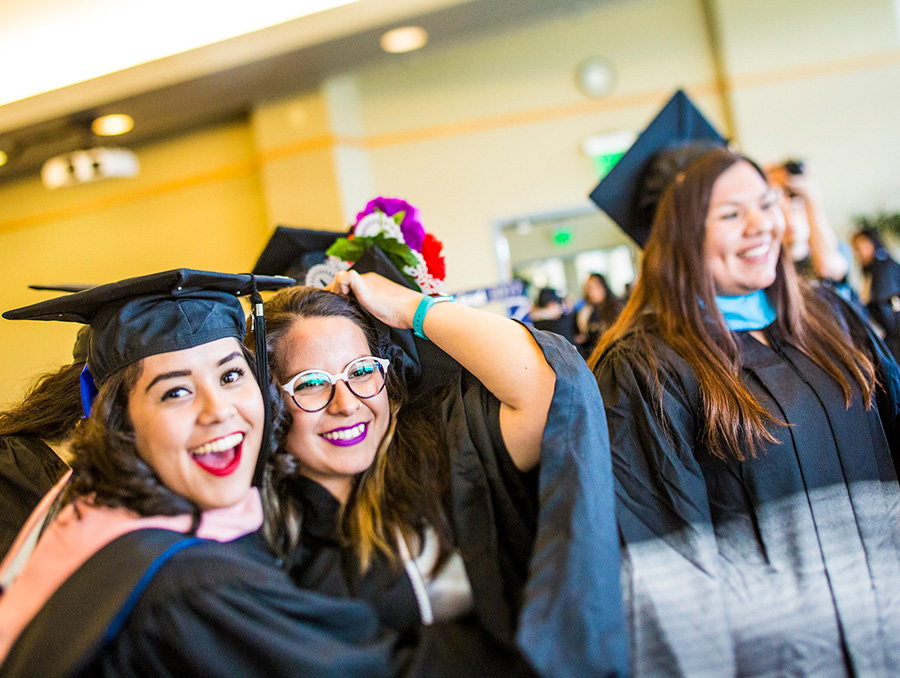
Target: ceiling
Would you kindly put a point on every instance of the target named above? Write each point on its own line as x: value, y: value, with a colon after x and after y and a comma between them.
x: 207, y: 86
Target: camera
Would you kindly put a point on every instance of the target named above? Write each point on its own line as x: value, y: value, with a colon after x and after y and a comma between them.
x: 793, y: 166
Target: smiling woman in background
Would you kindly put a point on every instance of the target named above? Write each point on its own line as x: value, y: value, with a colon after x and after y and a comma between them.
x: 752, y: 425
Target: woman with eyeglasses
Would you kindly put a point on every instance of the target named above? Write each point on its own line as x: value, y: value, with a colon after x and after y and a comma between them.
x: 454, y: 505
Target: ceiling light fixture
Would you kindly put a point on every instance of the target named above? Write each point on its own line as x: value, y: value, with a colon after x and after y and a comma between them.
x: 3, y: 158
x: 112, y: 125
x: 405, y: 39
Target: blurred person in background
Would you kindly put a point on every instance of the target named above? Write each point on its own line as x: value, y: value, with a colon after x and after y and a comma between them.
x: 552, y: 314
x: 808, y: 236
x: 600, y: 310
x: 881, y: 285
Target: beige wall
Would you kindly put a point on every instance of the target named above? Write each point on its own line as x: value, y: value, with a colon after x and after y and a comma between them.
x: 820, y: 79
x: 197, y: 203
x: 473, y: 133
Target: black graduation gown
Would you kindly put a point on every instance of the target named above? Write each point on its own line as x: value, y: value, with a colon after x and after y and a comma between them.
x: 322, y: 563
x: 787, y: 564
x: 28, y: 469
x: 218, y: 609
x: 540, y: 548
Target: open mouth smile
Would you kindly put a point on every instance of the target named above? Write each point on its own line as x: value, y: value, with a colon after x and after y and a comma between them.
x: 758, y: 252
x: 349, y: 435
x: 220, y: 456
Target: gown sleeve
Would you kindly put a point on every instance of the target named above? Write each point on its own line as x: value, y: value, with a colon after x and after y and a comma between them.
x: 670, y: 583
x: 541, y: 548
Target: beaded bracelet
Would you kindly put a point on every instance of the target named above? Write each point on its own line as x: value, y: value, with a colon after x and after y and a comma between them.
x: 419, y: 318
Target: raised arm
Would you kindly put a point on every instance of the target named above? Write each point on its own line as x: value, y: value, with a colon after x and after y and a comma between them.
x: 499, y: 352
x: 824, y: 254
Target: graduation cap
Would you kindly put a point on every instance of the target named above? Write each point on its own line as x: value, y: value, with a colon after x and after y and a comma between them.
x: 631, y: 191
x: 419, y: 363
x: 61, y: 288
x: 158, y: 313
x: 293, y: 251
x: 139, y: 317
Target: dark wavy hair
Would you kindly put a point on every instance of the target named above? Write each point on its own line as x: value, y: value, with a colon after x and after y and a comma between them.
x: 106, y: 463
x: 675, y: 298
x: 50, y: 410
x: 407, y: 485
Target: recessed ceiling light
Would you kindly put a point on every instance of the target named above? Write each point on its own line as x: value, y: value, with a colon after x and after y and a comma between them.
x: 404, y: 39
x: 111, y: 125
x: 3, y: 158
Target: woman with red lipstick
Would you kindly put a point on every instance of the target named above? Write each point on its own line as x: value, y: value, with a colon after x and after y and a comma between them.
x: 154, y: 565
x: 753, y: 423
x: 428, y: 506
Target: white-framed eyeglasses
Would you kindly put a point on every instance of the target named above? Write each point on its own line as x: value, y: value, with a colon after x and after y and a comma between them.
x: 313, y: 390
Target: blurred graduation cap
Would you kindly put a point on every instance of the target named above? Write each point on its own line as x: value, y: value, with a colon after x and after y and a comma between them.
x: 631, y: 191
x: 170, y: 311
x: 421, y: 365
x: 293, y: 251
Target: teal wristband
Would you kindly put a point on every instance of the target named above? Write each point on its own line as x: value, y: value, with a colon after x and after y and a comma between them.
x: 419, y: 318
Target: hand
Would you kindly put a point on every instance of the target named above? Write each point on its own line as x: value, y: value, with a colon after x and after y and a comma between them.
x: 802, y: 185
x: 392, y: 304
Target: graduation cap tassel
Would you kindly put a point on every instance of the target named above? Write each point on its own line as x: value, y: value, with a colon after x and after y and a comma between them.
x: 262, y: 368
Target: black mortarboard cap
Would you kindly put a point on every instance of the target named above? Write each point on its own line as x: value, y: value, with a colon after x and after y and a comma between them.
x: 420, y: 364
x: 61, y: 288
x: 293, y: 251
x: 139, y: 317
x: 681, y: 132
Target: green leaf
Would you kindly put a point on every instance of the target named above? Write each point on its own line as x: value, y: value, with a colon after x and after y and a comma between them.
x: 398, y: 253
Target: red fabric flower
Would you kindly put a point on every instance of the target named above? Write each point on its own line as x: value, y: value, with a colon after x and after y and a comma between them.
x: 431, y: 253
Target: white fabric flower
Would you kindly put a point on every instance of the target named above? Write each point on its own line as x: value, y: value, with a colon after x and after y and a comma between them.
x: 377, y: 222
x: 322, y: 275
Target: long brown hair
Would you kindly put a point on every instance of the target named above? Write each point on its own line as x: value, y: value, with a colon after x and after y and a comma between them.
x: 675, y: 277
x: 405, y: 488
x: 50, y: 409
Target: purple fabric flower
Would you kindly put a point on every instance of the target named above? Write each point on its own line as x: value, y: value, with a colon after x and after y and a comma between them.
x: 411, y: 226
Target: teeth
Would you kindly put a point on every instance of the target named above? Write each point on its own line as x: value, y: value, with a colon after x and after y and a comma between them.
x: 219, y: 445
x: 757, y: 251
x: 345, y: 434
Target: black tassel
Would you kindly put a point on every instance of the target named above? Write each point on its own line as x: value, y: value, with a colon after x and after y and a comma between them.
x: 262, y: 368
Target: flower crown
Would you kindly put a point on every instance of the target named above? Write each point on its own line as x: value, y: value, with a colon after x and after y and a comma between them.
x: 394, y: 226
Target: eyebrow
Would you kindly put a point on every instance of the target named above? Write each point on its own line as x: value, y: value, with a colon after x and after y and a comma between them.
x: 186, y: 373
x: 231, y: 356
x: 167, y: 375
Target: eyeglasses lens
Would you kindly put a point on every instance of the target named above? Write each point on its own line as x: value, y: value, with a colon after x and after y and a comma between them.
x: 364, y: 378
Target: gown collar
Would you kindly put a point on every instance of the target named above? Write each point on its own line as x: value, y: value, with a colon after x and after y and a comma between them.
x: 747, y: 312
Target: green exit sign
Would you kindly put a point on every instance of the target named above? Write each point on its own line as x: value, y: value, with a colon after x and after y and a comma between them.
x: 561, y: 237
x: 605, y: 150
x: 605, y: 162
